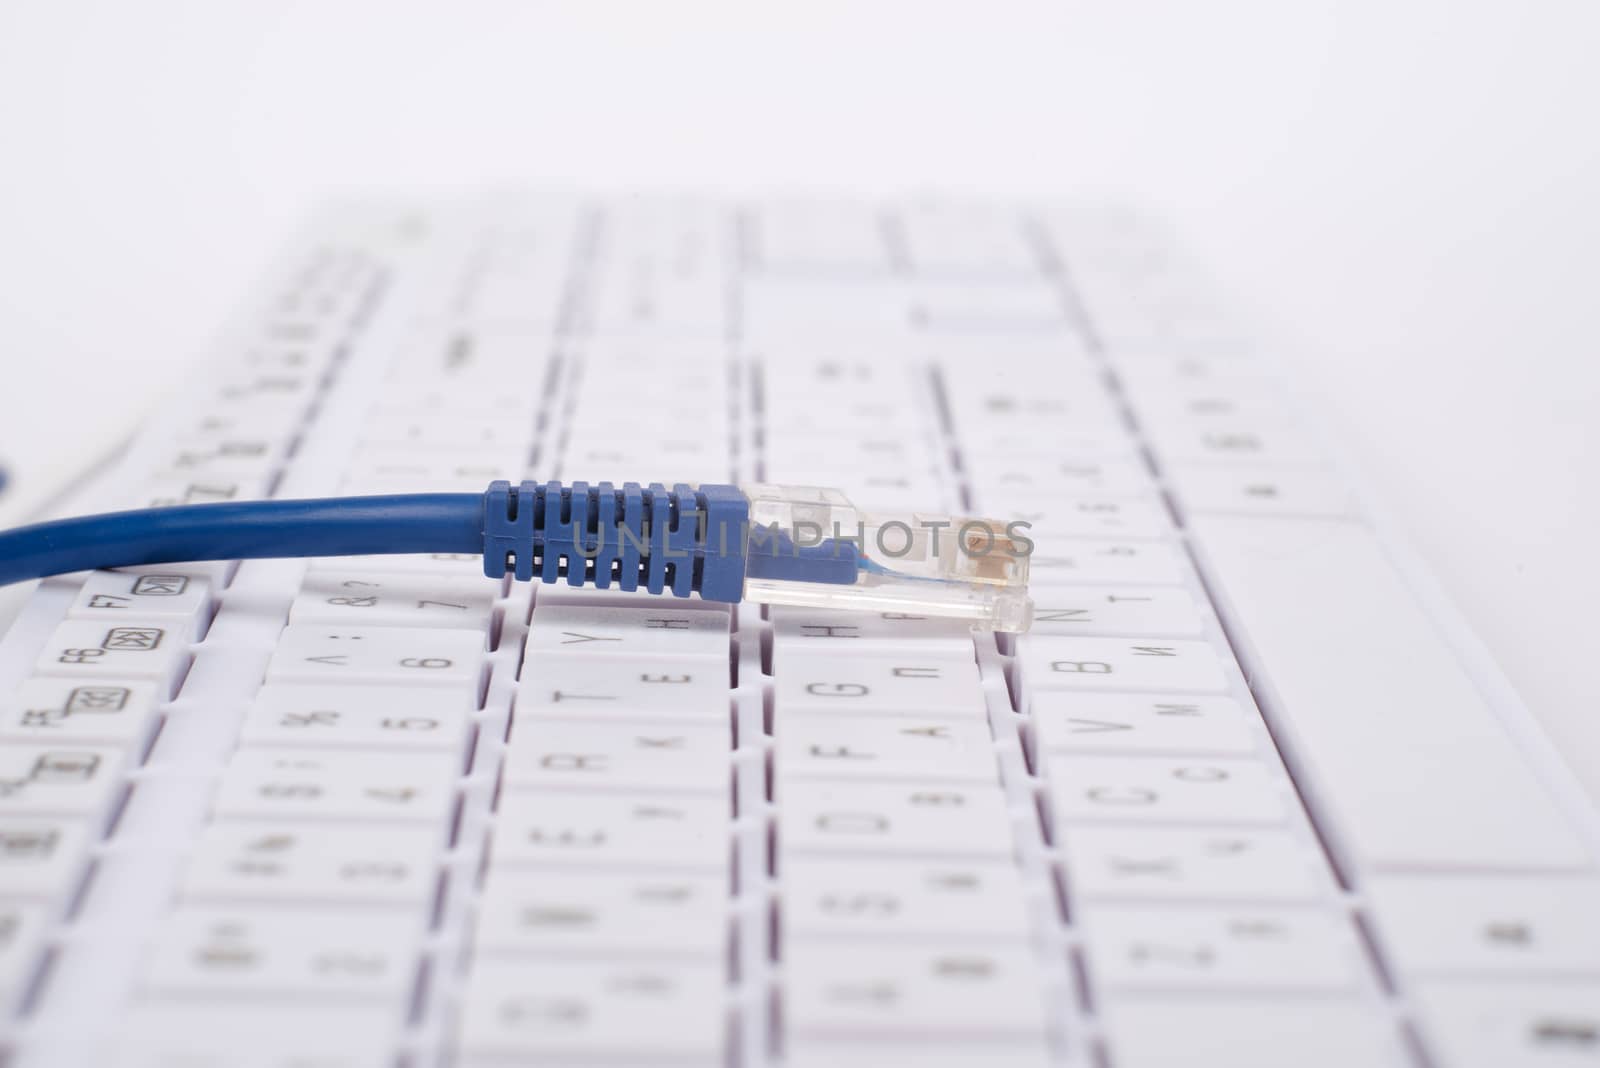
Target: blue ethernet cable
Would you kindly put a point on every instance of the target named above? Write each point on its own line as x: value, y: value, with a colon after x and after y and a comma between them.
x: 773, y: 544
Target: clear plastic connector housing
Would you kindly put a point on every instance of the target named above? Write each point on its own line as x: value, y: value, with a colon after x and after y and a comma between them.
x: 809, y: 546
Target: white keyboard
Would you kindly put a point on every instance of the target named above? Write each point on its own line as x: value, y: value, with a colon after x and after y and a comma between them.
x: 1244, y: 796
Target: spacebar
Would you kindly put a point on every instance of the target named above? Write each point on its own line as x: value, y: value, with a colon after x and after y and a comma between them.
x: 1400, y: 757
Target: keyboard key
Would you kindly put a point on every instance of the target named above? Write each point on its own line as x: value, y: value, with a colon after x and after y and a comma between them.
x: 662, y: 629
x: 952, y: 309
x: 402, y: 656
x: 805, y: 1051
x: 361, y: 717
x: 568, y: 687
x: 566, y: 1010
x: 1271, y: 443
x: 1005, y: 480
x: 273, y: 422
x: 66, y: 780
x: 894, y: 453
x: 1164, y: 790
x: 868, y: 453
x: 651, y: 833
x: 547, y: 912
x: 41, y: 859
x: 967, y: 242
x: 1250, y: 1032
x: 1055, y: 663
x: 303, y: 953
x: 827, y: 632
x: 461, y: 567
x: 1237, y: 400
x: 1490, y: 1025
x: 884, y: 747
x: 410, y: 403
x: 1054, y: 518
x: 1104, y: 563
x: 176, y: 600
x: 658, y: 304
x: 924, y: 819
x: 1409, y: 763
x: 1261, y: 489
x: 307, y: 863
x: 426, y: 433
x: 1179, y: 375
x: 21, y: 932
x: 944, y: 988
x: 1483, y: 925
x: 843, y: 411
x: 72, y: 710
x: 249, y: 385
x: 911, y: 683
x: 1152, y: 863
x: 170, y: 492
x: 1140, y: 723
x: 376, y: 599
x: 876, y: 489
x: 301, y: 784
x: 1245, y: 947
x: 204, y: 1032
x: 674, y: 757
x: 863, y: 897
x: 799, y: 237
x: 469, y: 468
x: 215, y: 455
x: 1139, y: 611
x: 1092, y: 451
x: 1008, y: 379
x: 131, y: 649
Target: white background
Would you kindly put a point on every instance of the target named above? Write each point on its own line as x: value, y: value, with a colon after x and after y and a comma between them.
x: 1407, y: 189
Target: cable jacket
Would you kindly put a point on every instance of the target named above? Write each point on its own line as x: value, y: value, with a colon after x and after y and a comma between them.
x: 246, y: 530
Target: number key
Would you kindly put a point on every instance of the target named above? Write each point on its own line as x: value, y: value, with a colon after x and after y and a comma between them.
x: 395, y: 600
x: 297, y: 953
x: 295, y: 862
x: 415, y: 787
x: 422, y: 717
x: 407, y: 656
